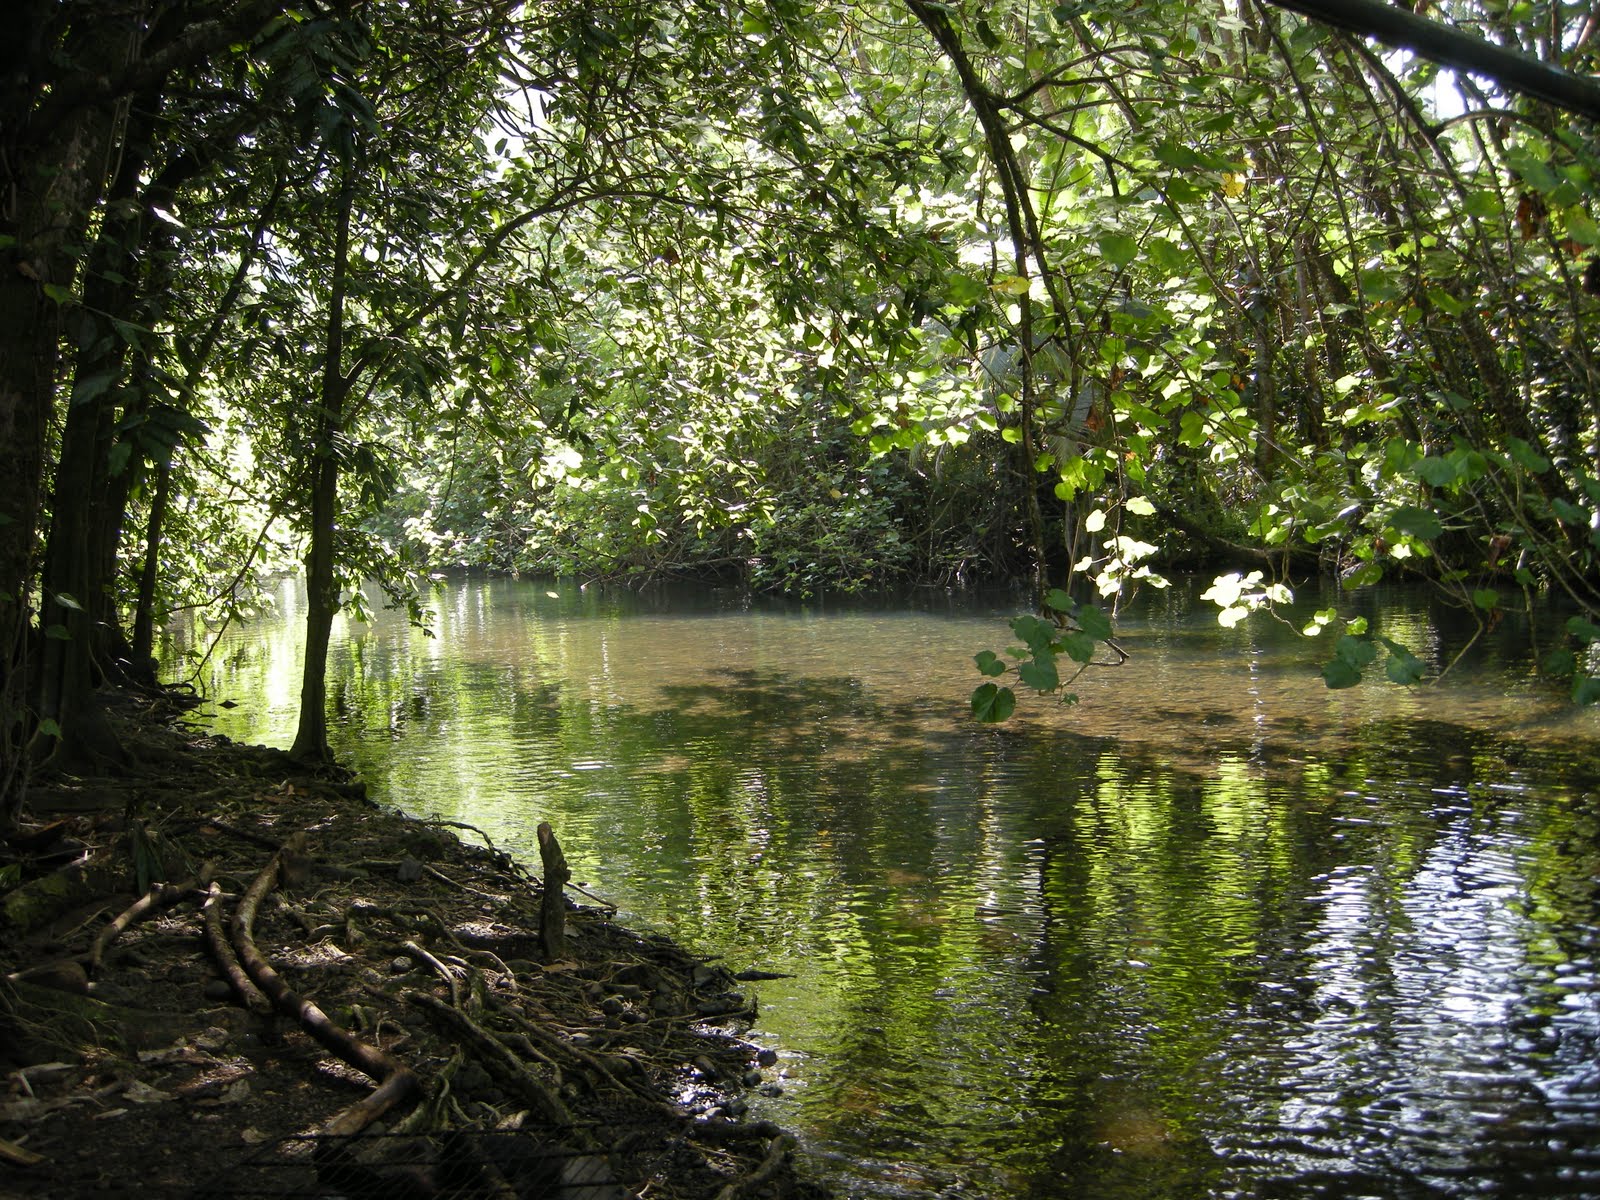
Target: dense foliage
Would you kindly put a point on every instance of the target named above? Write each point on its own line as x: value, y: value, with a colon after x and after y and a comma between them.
x: 822, y: 296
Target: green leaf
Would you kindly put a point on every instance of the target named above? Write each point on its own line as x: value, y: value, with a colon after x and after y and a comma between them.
x: 1079, y: 647
x: 1486, y: 598
x: 989, y: 663
x: 1338, y: 673
x: 1585, y: 689
x: 1140, y: 506
x: 1363, y: 576
x: 1040, y: 674
x: 90, y: 386
x: 1094, y: 622
x: 1436, y: 472
x: 50, y: 728
x: 1118, y: 249
x: 1584, y: 630
x: 59, y: 294
x: 68, y: 601
x: 1036, y: 633
x: 1526, y: 456
x: 1358, y: 652
x: 1569, y: 512
x: 1421, y: 523
x: 1402, y: 666
x: 993, y: 704
x: 1560, y: 664
x: 1058, y: 600
x: 57, y: 632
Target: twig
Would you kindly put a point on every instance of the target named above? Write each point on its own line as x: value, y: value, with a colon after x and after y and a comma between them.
x: 465, y: 887
x: 473, y: 828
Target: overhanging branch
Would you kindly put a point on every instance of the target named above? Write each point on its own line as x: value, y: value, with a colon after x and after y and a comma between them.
x: 1453, y: 48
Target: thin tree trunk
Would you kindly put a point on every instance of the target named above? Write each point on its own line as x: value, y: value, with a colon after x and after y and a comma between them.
x: 322, y: 596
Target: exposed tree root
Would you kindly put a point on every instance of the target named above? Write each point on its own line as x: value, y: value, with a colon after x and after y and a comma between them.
x: 396, y: 1082
x: 609, y: 1052
x: 160, y: 896
x: 497, y: 1056
x: 777, y: 1152
x: 227, y: 961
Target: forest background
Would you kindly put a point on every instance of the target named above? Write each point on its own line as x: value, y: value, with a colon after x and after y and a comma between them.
x: 822, y: 297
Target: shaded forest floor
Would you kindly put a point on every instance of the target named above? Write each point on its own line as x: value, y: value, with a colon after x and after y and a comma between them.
x: 398, y: 953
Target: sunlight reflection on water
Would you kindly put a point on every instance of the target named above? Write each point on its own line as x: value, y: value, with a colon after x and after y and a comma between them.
x: 1215, y: 931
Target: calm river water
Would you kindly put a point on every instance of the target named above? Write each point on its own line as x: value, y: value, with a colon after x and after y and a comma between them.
x: 1214, y: 932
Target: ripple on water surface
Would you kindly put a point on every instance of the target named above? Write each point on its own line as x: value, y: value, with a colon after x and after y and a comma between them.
x: 1215, y: 932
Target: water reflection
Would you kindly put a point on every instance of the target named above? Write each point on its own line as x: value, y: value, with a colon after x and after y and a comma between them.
x: 1215, y: 932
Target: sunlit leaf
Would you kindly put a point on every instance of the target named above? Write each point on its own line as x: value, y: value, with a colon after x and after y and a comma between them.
x: 1118, y: 249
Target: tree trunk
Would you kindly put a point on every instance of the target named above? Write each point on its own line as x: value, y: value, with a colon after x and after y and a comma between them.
x: 144, y: 620
x: 53, y: 174
x: 322, y: 594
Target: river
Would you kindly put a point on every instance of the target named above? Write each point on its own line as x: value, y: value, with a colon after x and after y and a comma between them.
x: 1214, y: 931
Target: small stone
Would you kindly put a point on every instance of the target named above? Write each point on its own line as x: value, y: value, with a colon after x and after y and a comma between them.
x: 399, y: 966
x: 635, y: 1017
x: 768, y: 1057
x: 630, y: 991
x: 409, y: 870
x: 663, y: 1005
x: 706, y: 1067
x: 751, y: 1077
x: 612, y: 1007
x: 218, y: 990
x: 736, y: 1107
x: 770, y: 1089
x: 703, y: 975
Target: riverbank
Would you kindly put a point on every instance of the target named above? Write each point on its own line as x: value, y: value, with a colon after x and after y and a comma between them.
x: 424, y: 1030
